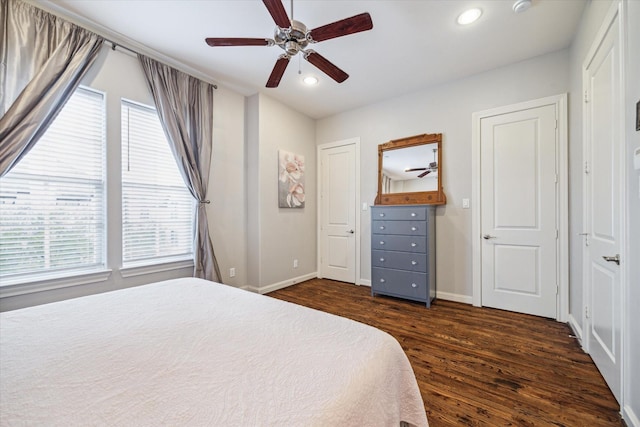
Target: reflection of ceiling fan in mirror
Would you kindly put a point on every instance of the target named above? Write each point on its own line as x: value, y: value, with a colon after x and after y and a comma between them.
x: 293, y: 37
x: 433, y: 167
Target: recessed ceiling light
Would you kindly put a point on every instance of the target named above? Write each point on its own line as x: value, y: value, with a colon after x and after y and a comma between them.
x: 310, y: 80
x: 469, y: 16
x: 521, y: 5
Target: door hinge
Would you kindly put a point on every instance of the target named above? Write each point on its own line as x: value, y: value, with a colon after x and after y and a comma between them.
x: 586, y: 96
x: 556, y: 124
x: 586, y: 166
x: 586, y: 238
x: 557, y: 289
x: 586, y: 312
x: 557, y: 233
x: 555, y: 179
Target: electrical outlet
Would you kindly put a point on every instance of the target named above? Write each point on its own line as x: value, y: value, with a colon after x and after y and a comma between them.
x: 295, y: 263
x: 232, y: 272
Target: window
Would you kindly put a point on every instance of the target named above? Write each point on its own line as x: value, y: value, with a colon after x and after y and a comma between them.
x: 157, y: 208
x: 52, y: 203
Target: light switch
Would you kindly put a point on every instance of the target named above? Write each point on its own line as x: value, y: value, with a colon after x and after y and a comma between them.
x: 365, y: 206
x: 465, y: 203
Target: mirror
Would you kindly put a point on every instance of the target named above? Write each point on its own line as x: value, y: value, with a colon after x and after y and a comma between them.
x: 410, y: 171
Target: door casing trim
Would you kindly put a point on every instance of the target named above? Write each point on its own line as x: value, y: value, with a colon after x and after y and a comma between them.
x: 562, y: 198
x: 351, y: 141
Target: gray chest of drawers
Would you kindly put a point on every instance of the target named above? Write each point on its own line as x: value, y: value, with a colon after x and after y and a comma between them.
x: 403, y: 252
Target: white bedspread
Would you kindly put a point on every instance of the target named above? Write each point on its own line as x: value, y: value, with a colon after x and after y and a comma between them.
x: 192, y: 352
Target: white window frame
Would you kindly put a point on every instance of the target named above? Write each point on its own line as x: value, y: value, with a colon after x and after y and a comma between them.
x: 46, y: 280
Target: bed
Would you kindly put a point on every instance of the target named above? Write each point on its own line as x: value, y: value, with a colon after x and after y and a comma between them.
x: 194, y: 352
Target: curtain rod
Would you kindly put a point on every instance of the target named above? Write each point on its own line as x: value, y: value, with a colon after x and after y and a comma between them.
x: 115, y: 45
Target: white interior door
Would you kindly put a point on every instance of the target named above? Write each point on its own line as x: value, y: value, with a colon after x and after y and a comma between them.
x: 603, y: 206
x: 518, y: 211
x: 338, y: 213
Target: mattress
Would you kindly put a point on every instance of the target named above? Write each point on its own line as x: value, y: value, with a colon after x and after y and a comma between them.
x: 194, y: 352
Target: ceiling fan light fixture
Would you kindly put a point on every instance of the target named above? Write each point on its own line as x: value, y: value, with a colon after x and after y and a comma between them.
x: 310, y: 80
x: 469, y: 16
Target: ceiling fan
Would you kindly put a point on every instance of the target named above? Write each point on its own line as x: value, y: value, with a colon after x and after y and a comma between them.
x: 433, y: 166
x: 293, y: 37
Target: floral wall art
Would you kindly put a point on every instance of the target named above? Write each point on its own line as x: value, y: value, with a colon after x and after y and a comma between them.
x: 291, y: 180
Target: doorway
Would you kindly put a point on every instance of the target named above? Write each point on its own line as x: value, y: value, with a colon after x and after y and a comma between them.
x: 338, y: 215
x: 520, y: 212
x: 604, y: 202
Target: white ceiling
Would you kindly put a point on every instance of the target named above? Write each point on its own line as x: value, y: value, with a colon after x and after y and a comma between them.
x: 414, y: 44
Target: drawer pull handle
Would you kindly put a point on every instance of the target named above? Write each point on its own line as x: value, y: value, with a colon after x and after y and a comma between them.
x: 413, y: 214
x: 381, y: 280
x: 413, y: 245
x: 381, y: 214
x: 381, y: 259
x: 413, y: 285
x: 382, y: 227
x: 382, y: 242
x: 414, y: 263
x: 413, y: 228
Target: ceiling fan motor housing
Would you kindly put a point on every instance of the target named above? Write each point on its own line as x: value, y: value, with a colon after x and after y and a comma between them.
x: 292, y: 40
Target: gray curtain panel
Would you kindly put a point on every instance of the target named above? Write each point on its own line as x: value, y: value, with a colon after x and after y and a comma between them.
x: 185, y: 108
x: 43, y: 61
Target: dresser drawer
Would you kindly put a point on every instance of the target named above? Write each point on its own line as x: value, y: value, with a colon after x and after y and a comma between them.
x: 407, y: 228
x: 390, y: 242
x: 399, y: 283
x: 400, y: 213
x: 399, y: 260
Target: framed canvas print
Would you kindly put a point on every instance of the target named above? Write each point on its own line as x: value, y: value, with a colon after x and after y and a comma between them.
x: 290, y: 180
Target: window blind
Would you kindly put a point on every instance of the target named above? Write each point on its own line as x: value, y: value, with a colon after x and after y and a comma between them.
x: 157, y: 208
x: 52, y: 203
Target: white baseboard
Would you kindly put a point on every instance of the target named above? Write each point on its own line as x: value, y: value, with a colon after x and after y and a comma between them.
x: 630, y: 417
x: 448, y: 296
x: 575, y: 327
x: 280, y: 285
x: 440, y: 295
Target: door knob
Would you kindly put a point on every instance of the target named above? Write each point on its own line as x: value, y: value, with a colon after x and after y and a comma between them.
x: 350, y: 231
x: 615, y: 258
x: 488, y: 236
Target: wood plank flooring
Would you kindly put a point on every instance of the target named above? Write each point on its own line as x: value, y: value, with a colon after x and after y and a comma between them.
x: 479, y: 366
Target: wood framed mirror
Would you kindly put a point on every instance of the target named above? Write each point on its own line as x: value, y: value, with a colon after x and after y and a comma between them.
x: 410, y: 171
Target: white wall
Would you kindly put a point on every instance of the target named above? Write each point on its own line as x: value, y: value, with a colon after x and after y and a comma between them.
x: 227, y: 212
x: 444, y: 109
x: 277, y: 236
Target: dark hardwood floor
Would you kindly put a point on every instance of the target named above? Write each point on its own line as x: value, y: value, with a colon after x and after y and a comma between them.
x: 479, y: 366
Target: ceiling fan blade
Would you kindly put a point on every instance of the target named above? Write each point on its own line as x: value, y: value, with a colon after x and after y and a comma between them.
x: 325, y: 66
x: 347, y: 26
x: 230, y: 41
x: 279, y: 15
x: 415, y: 169
x: 423, y: 174
x: 278, y: 71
